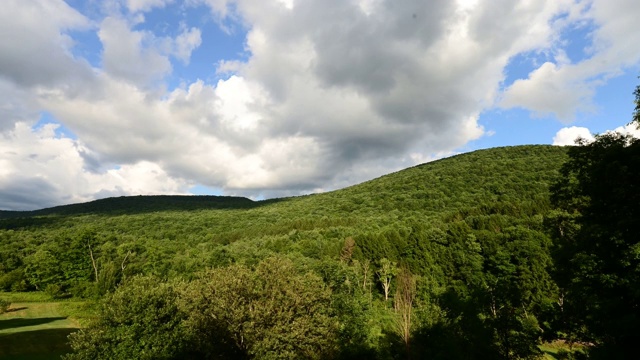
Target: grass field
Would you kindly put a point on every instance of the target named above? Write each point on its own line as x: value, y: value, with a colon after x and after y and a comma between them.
x: 37, y: 329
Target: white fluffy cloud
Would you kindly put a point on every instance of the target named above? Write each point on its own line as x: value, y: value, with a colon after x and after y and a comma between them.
x: 37, y: 169
x: 629, y: 129
x: 185, y: 43
x: 140, y: 56
x: 126, y: 56
x: 564, y: 88
x: 569, y: 135
x: 332, y: 92
x: 146, y: 5
x: 35, y: 49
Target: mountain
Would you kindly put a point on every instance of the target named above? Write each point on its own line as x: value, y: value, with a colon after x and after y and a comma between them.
x: 491, y: 189
x: 461, y: 181
x: 469, y: 230
x: 138, y: 204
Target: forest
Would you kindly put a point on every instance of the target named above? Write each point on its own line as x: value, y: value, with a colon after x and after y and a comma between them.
x: 483, y: 255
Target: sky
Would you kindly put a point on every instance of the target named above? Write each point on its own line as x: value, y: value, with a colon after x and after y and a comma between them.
x: 273, y: 98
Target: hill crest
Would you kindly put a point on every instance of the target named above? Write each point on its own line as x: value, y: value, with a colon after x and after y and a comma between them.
x: 436, y: 180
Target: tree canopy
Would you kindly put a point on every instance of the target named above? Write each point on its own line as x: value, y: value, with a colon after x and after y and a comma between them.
x: 597, y: 249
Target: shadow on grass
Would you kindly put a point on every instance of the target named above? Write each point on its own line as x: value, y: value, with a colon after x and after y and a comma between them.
x: 22, y: 322
x: 17, y: 309
x: 35, y: 345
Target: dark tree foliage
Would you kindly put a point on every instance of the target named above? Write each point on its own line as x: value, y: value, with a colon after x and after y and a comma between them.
x: 491, y: 307
x: 598, y: 247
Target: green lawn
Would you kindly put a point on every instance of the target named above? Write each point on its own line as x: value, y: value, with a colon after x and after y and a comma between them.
x: 37, y: 330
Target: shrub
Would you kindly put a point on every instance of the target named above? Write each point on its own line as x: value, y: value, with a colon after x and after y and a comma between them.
x: 55, y: 291
x: 4, y: 306
x: 14, y: 280
x: 139, y: 320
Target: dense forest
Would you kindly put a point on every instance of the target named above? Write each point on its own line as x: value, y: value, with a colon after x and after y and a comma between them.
x: 483, y: 255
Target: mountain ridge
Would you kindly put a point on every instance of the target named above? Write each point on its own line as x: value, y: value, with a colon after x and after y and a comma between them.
x: 138, y: 204
x: 153, y: 203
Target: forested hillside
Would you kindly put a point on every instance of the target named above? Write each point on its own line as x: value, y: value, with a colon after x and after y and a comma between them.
x: 137, y: 204
x: 449, y: 259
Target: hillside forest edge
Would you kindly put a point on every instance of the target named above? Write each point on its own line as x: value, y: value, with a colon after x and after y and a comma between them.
x: 484, y: 255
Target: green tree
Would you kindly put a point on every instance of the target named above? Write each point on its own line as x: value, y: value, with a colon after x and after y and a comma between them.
x: 636, y: 112
x: 599, y: 263
x: 386, y: 272
x: 4, y: 305
x: 43, y: 268
x: 403, y: 301
x: 517, y: 283
x: 140, y: 320
x: 271, y: 312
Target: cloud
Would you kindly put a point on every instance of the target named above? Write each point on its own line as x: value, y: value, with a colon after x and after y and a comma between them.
x: 366, y: 82
x: 140, y: 56
x: 16, y: 104
x: 629, y: 129
x: 37, y: 169
x: 146, y: 5
x: 36, y: 53
x: 330, y: 93
x: 551, y: 90
x: 185, y: 43
x: 569, y: 135
x: 125, y: 55
x: 563, y: 88
x: 24, y: 193
x: 35, y: 49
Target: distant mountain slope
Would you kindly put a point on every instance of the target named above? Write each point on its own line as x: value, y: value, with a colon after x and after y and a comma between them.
x: 139, y: 204
x: 505, y: 179
x: 508, y: 176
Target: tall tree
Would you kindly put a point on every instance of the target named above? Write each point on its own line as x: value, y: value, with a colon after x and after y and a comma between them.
x: 386, y: 272
x: 636, y: 112
x: 599, y: 263
x: 403, y: 305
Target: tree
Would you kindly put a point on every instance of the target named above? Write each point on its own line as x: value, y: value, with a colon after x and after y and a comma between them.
x: 366, y: 265
x: 271, y: 312
x: 516, y: 284
x: 42, y: 269
x: 636, y: 112
x: 600, y: 261
x: 347, y: 249
x: 403, y: 305
x: 386, y: 272
x: 140, y: 320
x: 4, y: 305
